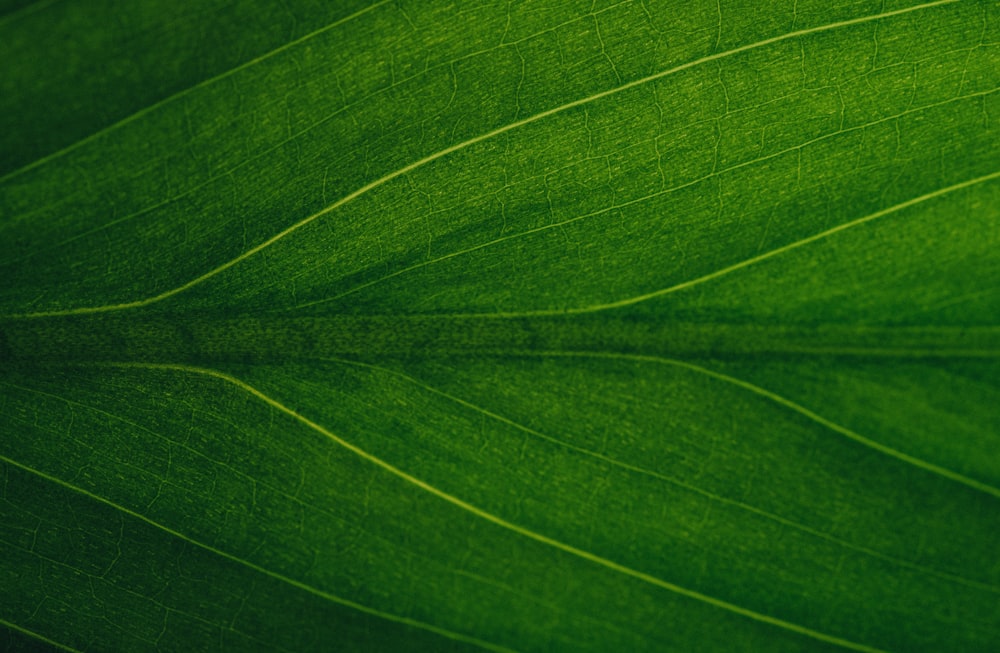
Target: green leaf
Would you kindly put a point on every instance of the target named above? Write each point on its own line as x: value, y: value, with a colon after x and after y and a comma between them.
x: 524, y: 326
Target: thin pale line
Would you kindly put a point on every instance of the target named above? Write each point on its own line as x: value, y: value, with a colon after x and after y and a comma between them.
x: 224, y: 173
x: 211, y: 80
x: 787, y: 403
x: 618, y: 207
x: 472, y: 141
x: 647, y: 472
x: 228, y: 171
x: 482, y: 514
x: 750, y: 261
x: 40, y: 638
x: 327, y: 513
x: 894, y: 353
x: 297, y: 584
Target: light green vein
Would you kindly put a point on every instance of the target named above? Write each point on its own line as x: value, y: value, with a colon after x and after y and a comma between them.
x: 224, y: 173
x: 41, y: 638
x: 503, y: 523
x: 616, y: 207
x: 787, y: 403
x: 205, y: 82
x: 629, y: 301
x: 647, y: 472
x: 335, y: 518
x: 465, y: 144
x: 290, y: 581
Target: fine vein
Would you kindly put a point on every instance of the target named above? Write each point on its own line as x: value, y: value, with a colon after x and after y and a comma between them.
x: 33, y: 634
x: 246, y: 563
x: 465, y: 144
x: 787, y: 403
x: 616, y: 207
x: 653, y: 474
x: 211, y: 80
x: 503, y: 523
x: 628, y: 301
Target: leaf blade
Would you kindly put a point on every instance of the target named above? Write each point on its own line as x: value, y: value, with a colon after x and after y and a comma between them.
x: 579, y: 328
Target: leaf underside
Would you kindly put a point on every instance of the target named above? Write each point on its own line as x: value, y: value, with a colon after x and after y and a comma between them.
x: 529, y: 326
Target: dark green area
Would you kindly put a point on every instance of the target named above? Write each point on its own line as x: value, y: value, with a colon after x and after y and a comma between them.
x: 548, y: 326
x: 89, y: 65
x: 197, y: 337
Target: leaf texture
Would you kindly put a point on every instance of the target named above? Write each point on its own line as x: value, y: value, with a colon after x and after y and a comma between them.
x: 528, y: 326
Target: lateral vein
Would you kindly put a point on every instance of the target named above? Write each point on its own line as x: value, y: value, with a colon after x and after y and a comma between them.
x: 622, y: 205
x: 246, y: 563
x: 629, y: 301
x: 465, y: 144
x: 41, y: 638
x: 787, y: 403
x: 678, y: 483
x: 503, y: 523
x: 205, y: 82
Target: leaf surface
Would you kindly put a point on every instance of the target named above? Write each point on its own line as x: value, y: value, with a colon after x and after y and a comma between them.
x: 648, y: 326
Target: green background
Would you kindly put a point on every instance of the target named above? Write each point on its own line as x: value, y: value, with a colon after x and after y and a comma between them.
x: 519, y: 326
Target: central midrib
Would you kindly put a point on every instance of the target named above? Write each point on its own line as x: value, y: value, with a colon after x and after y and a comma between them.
x: 206, y: 337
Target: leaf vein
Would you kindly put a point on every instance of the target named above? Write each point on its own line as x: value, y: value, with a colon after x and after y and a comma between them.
x: 629, y: 301
x: 205, y: 82
x: 467, y: 143
x: 673, y: 481
x: 498, y: 521
x: 791, y: 405
x: 41, y: 638
x: 662, y: 193
x: 267, y: 572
